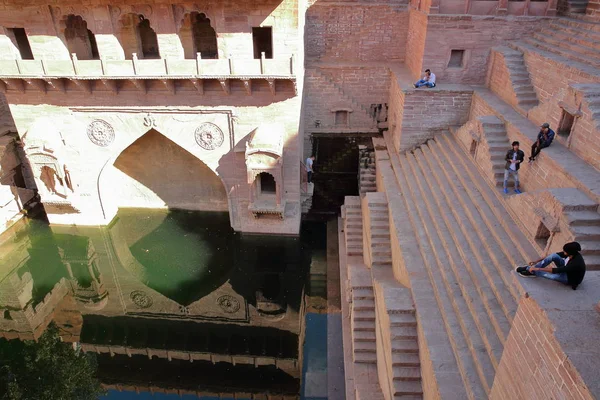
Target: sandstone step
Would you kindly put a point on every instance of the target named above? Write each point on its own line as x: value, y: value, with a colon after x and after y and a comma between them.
x: 363, y: 336
x: 568, y: 54
x: 368, y: 392
x: 364, y: 347
x: 407, y: 388
x: 368, y: 326
x: 592, y: 261
x: 586, y: 232
x: 385, y: 252
x: 475, y: 325
x: 365, y: 358
x: 380, y: 242
x: 590, y: 35
x: 584, y: 51
x: 590, y: 247
x: 407, y: 373
x: 576, y: 36
x: 402, y: 319
x: 578, y: 218
x: 361, y: 315
x: 363, y: 294
x: 405, y: 346
x: 403, y: 332
x: 363, y: 304
x: 405, y: 359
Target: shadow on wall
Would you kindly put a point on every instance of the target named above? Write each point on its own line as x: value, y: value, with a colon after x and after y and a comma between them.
x: 172, y: 174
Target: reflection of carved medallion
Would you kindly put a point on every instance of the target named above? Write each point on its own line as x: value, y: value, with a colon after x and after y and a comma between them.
x: 209, y: 136
x: 228, y: 304
x: 101, y: 133
x: 140, y: 299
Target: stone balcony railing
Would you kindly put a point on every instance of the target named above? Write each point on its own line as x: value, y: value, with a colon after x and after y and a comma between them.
x: 17, y: 74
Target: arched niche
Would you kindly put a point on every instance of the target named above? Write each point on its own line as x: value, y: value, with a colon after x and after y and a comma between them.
x: 79, y: 39
x: 264, y: 165
x: 137, y: 36
x: 198, y: 35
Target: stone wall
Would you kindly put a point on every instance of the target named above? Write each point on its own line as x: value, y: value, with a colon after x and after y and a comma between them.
x: 417, y: 115
x: 553, y: 82
x: 473, y: 34
x: 499, y: 80
x: 417, y: 34
x: 232, y: 21
x: 365, y: 84
x: 593, y: 9
x: 356, y: 31
x: 533, y: 364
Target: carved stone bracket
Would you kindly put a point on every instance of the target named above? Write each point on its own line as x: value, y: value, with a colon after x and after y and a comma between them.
x: 84, y: 85
x: 111, y: 85
x: 198, y: 84
x: 140, y: 84
x: 247, y: 86
x: 224, y: 85
x: 169, y: 84
x: 57, y: 84
x: 37, y: 84
x: 271, y: 83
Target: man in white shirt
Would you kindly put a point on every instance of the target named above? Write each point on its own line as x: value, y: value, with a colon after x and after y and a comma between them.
x: 309, y: 168
x: 428, y: 80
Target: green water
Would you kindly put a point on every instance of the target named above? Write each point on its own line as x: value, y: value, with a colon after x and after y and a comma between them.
x: 157, y: 289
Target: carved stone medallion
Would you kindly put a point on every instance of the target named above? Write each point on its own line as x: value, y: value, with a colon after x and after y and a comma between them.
x: 209, y: 136
x: 101, y: 133
x: 140, y: 299
x: 228, y: 304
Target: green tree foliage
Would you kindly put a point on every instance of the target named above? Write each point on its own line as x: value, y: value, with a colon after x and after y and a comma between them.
x: 47, y: 370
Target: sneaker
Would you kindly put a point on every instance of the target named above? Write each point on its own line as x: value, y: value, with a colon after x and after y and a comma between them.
x: 517, y: 191
x: 415, y: 85
x: 505, y: 191
x: 531, y: 160
x: 522, y: 271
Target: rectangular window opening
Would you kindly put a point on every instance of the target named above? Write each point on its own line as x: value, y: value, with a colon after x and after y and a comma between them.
x: 262, y: 39
x: 542, y: 236
x: 456, y: 59
x: 566, y: 124
x: 473, y: 147
x: 19, y: 38
x: 341, y: 118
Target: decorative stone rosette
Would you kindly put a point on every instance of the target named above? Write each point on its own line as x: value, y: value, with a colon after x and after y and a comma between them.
x: 101, y: 133
x: 209, y: 136
x: 141, y: 299
x: 228, y: 304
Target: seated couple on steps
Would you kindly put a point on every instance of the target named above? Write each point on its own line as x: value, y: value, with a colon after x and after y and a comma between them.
x: 569, y: 266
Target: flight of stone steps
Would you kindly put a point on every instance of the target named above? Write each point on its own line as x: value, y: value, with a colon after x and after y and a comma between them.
x: 519, y: 76
x: 366, y: 170
x: 469, y: 247
x: 584, y: 223
x: 376, y: 238
x: 498, y: 144
x: 573, y: 38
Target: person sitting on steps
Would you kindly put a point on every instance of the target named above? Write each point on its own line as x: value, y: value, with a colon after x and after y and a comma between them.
x: 428, y: 80
x: 514, y: 158
x: 570, y: 266
x: 544, y: 139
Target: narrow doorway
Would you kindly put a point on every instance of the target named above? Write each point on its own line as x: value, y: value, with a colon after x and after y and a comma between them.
x: 262, y: 39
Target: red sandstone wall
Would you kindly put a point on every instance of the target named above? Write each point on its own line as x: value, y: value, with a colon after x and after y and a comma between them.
x: 355, y: 32
x: 552, y: 81
x: 474, y: 34
x: 593, y: 9
x: 498, y: 79
x: 322, y: 97
x: 426, y: 113
x: 533, y: 364
x: 395, y: 111
x: 366, y: 85
x: 416, y: 43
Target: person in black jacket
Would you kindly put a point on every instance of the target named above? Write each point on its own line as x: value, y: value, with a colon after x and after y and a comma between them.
x: 544, y: 139
x: 514, y: 158
x: 570, y: 267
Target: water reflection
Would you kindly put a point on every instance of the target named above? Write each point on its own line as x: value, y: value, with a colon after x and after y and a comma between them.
x: 169, y: 301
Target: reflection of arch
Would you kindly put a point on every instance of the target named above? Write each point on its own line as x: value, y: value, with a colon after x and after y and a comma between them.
x: 79, y: 39
x: 198, y: 36
x: 137, y: 36
x: 164, y: 170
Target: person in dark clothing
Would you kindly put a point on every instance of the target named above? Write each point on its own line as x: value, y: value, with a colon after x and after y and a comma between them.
x: 514, y: 158
x: 570, y: 266
x: 544, y: 139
